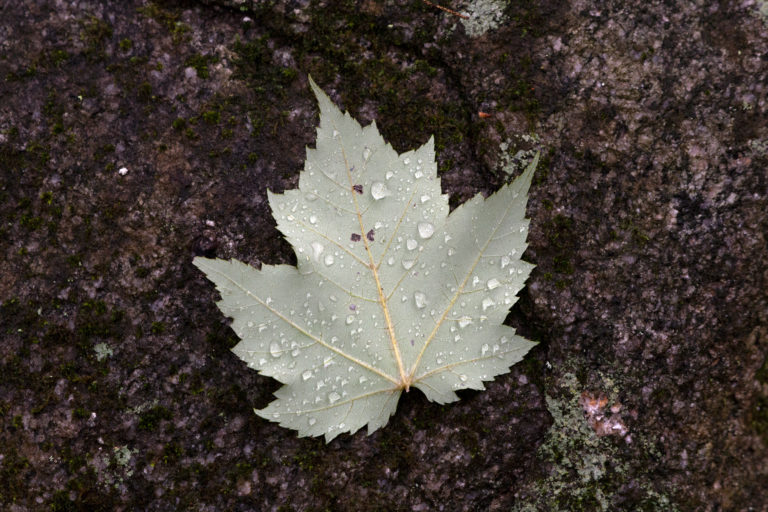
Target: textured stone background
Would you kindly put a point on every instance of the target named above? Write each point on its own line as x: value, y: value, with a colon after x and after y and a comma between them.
x: 136, y: 135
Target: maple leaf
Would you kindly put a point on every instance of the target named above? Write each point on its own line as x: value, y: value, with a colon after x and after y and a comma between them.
x: 389, y: 293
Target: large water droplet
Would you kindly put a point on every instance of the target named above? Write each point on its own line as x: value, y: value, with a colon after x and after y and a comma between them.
x: 334, y: 397
x: 328, y: 259
x: 425, y: 198
x: 420, y: 299
x: 411, y: 244
x: 313, y: 219
x: 492, y: 284
x: 275, y: 350
x: 317, y: 250
x: 426, y: 229
x: 407, y: 264
x: 379, y: 190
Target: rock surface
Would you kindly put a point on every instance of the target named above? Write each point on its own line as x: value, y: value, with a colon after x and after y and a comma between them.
x: 136, y: 135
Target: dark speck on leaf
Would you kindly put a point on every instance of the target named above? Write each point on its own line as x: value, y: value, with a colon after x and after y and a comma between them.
x: 369, y: 236
x: 411, y: 342
x: 358, y: 188
x: 355, y: 237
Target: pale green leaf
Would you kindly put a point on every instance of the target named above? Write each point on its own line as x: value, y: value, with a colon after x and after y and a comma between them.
x: 390, y: 292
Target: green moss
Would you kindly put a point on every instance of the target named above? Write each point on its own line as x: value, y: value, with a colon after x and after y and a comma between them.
x: 95, y: 34
x: 211, y: 117
x: 144, y: 92
x: 200, y: 64
x: 172, y: 452
x: 125, y: 44
x: 150, y: 420
x: 157, y: 328
x: 166, y: 18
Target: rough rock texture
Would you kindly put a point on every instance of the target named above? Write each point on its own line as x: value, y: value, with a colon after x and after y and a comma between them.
x: 136, y: 135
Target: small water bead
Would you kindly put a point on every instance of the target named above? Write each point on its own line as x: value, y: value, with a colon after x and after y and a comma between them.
x: 463, y: 378
x: 312, y: 421
x: 426, y: 230
x: 391, y: 260
x: 505, y: 261
x: 420, y: 299
x: 475, y: 280
x: 350, y: 319
x: 487, y: 303
x: 425, y: 198
x: 366, y: 153
x: 328, y: 361
x: 328, y: 260
x: 334, y: 397
x: 464, y: 321
x: 335, y: 133
x: 389, y: 175
x: 311, y: 197
x: 411, y: 244
x: 407, y: 161
x: 492, y: 284
x: 418, y: 174
x: 317, y: 250
x: 313, y: 219
x: 363, y: 379
x: 379, y: 190
x: 275, y: 349
x: 307, y: 375
x: 407, y: 264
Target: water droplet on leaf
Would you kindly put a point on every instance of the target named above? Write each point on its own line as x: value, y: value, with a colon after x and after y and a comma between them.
x: 426, y: 229
x: 379, y: 190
